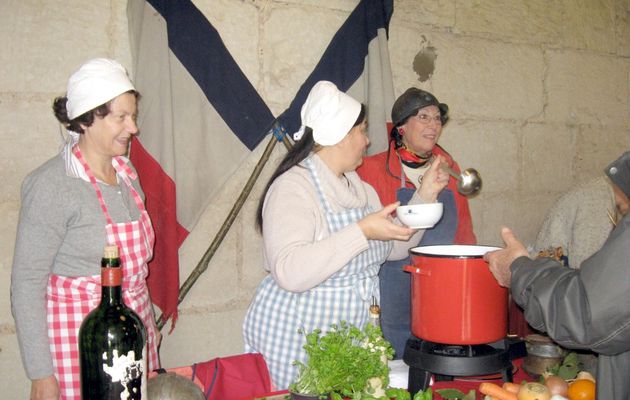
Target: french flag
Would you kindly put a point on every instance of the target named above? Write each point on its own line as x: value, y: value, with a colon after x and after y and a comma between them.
x: 200, y: 117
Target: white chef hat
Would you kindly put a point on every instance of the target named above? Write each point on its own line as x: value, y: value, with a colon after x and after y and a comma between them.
x: 95, y: 83
x: 329, y: 112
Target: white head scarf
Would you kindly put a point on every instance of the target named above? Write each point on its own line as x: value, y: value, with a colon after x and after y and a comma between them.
x: 329, y: 112
x: 95, y: 83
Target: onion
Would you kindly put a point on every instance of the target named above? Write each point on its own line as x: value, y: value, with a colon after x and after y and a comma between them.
x: 533, y: 391
x: 585, y: 375
x: 557, y: 385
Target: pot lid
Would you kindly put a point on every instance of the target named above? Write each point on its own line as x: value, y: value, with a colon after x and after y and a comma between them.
x: 453, y: 251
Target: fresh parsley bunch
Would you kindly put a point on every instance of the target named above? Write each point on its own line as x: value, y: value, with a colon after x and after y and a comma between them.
x: 342, y: 360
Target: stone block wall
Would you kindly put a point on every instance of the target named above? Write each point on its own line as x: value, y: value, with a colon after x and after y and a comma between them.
x: 539, y: 93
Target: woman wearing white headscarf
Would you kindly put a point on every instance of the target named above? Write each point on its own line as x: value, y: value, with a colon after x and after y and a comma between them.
x: 73, y: 205
x: 325, y: 234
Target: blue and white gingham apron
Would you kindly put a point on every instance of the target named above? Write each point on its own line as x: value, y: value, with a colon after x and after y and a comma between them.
x: 275, y: 315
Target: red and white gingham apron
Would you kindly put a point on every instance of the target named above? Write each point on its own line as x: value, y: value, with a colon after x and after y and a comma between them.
x: 70, y: 299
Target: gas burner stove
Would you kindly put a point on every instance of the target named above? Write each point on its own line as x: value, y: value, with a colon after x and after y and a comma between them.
x: 446, y: 361
x: 456, y: 350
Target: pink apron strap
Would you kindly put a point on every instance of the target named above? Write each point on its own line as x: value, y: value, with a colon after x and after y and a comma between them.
x: 124, y: 171
x: 88, y: 171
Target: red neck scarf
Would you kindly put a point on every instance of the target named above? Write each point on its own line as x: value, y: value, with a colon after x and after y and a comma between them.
x: 411, y: 159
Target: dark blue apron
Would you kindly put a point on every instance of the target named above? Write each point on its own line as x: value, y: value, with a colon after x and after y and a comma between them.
x: 395, y: 284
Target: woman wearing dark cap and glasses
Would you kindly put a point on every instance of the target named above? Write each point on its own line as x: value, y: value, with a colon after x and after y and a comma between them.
x: 396, y: 174
x: 585, y: 308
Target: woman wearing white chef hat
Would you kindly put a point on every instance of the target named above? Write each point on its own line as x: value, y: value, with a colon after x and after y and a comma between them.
x: 86, y: 197
x: 325, y: 234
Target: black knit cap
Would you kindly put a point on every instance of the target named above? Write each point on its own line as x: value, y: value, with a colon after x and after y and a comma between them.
x: 619, y: 172
x: 411, y: 101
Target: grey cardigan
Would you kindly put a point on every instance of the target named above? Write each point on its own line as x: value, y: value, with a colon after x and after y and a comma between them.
x: 61, y: 230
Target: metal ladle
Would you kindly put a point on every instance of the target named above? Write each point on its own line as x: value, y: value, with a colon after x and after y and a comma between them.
x: 468, y: 182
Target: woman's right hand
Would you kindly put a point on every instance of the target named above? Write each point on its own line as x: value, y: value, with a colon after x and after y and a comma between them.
x: 433, y: 181
x: 380, y: 225
x: 45, y: 388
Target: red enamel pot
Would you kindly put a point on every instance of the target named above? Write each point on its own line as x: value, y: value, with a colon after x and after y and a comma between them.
x: 455, y: 299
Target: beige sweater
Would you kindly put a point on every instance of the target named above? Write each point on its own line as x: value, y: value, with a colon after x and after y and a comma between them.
x: 299, y: 251
x: 578, y: 221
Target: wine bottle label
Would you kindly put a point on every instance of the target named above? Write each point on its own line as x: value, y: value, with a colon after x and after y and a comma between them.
x: 127, y: 370
x: 111, y: 276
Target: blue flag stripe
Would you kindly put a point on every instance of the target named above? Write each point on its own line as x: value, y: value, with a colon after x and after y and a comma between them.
x: 198, y: 46
x: 343, y: 61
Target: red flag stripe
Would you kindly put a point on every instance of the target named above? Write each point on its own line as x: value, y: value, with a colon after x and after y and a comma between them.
x: 163, y: 280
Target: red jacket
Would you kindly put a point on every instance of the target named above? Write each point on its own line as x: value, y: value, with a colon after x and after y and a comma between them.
x: 386, y: 182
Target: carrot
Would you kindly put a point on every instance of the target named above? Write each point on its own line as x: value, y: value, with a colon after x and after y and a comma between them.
x: 497, y: 391
x: 511, y: 387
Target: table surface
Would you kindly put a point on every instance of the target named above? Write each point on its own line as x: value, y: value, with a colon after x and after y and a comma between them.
x: 462, y: 384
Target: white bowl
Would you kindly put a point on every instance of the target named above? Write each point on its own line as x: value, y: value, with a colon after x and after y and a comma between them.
x: 420, y: 216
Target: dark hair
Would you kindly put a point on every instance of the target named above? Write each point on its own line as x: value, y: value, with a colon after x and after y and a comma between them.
x: 85, y: 119
x: 300, y: 150
x: 361, y: 117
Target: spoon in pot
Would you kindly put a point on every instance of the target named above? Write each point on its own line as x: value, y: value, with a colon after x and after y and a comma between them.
x: 468, y: 182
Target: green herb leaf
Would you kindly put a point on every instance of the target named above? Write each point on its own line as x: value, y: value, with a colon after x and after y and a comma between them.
x: 397, y: 394
x: 342, y: 360
x: 568, y: 368
x: 450, y: 393
x: 424, y: 395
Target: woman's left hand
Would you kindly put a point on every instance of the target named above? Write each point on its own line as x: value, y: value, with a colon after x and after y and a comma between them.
x: 433, y: 181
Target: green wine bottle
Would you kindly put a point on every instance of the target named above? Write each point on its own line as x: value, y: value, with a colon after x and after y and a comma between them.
x: 112, y: 342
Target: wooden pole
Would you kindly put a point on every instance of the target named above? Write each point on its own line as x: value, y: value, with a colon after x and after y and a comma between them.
x: 202, y: 265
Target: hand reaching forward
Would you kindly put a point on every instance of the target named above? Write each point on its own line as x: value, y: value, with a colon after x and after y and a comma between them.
x: 500, y: 260
x: 433, y: 181
x: 380, y: 225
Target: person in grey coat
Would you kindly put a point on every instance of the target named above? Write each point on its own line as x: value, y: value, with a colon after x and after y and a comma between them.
x: 586, y: 308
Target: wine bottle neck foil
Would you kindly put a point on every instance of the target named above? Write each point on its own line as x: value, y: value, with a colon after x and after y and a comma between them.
x: 111, y: 282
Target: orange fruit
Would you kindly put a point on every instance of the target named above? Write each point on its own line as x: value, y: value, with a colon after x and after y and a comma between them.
x: 581, y: 389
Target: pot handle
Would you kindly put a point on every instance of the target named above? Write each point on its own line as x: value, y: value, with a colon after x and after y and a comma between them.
x: 416, y: 270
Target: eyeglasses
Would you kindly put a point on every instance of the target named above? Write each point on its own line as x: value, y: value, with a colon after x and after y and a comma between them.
x: 425, y: 119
